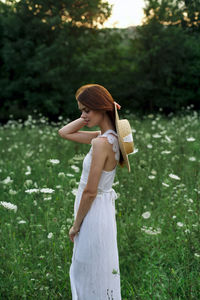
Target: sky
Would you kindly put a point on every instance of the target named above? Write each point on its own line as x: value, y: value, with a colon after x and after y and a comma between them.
x: 125, y: 13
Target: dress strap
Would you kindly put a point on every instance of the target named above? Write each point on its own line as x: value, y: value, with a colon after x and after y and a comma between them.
x: 112, y: 139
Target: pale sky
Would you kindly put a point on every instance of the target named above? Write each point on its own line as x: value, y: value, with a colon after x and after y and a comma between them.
x: 125, y: 13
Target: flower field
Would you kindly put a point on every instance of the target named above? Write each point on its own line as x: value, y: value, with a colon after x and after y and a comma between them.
x: 157, y: 210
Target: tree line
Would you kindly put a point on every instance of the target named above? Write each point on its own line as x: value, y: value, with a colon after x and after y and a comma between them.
x: 48, y: 49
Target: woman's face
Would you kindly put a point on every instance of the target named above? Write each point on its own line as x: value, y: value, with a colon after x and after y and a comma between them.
x: 92, y: 116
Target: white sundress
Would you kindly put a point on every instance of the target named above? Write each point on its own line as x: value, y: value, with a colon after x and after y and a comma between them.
x: 94, y: 271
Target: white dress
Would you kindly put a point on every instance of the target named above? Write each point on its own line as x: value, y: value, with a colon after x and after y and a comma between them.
x: 94, y: 271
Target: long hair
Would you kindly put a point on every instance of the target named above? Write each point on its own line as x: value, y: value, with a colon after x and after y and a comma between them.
x: 98, y: 98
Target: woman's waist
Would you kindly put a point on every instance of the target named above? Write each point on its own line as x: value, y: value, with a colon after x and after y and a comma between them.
x: 100, y: 189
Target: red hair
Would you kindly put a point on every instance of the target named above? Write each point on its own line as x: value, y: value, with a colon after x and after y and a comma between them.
x: 96, y: 97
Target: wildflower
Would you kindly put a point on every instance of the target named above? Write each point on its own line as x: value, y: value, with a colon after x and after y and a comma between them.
x: 50, y: 235
x: 21, y: 222
x: 192, y: 158
x: 149, y: 146
x: 28, y: 170
x: 151, y: 231
x: 165, y: 184
x: 54, y: 161
x: 180, y: 224
x: 12, y: 192
x: 165, y: 152
x: 28, y: 182
x: 116, y: 183
x: 61, y: 174
x: 48, y: 198
x: 146, y: 215
x: 30, y: 191
x: 9, y: 205
x: 156, y: 136
x: 7, y: 180
x: 190, y: 139
x: 197, y: 255
x: 150, y: 116
x: 74, y: 192
x: 167, y: 138
x: 46, y: 190
x: 75, y: 168
x: 151, y: 177
x: 70, y: 175
x: 153, y: 172
x: 174, y: 176
x: 174, y: 217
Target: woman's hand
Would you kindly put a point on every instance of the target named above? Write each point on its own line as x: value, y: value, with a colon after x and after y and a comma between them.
x: 72, y: 232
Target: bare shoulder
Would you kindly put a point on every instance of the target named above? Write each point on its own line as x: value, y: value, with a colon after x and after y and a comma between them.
x: 101, y: 143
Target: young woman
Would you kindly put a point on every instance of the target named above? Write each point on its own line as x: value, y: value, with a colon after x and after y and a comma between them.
x: 94, y: 271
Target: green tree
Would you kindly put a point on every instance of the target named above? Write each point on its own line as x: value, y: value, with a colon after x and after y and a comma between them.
x: 184, y: 13
x: 40, y: 43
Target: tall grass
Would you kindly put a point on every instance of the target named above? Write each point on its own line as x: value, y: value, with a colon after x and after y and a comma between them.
x: 157, y: 210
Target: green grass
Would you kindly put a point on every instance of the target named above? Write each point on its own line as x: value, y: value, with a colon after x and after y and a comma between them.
x: 163, y: 265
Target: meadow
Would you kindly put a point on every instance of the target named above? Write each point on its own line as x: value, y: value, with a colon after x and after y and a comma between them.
x: 157, y: 210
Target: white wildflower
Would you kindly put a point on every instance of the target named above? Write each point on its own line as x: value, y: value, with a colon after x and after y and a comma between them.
x: 192, y: 158
x: 151, y: 231
x: 150, y: 116
x: 174, y: 176
x: 50, y: 235
x: 29, y: 154
x: 156, y: 136
x: 9, y: 205
x: 149, y: 146
x: 174, y: 217
x: 28, y: 182
x: 12, y: 192
x: 167, y: 138
x: 21, y: 222
x: 61, y: 174
x: 28, y: 170
x: 30, y: 191
x: 48, y: 198
x: 197, y: 255
x: 180, y: 224
x: 190, y: 139
x: 74, y: 192
x: 46, y: 190
x: 151, y: 177
x: 165, y: 184
x: 165, y: 152
x: 153, y: 172
x: 54, y: 161
x: 146, y: 215
x: 70, y: 175
x: 116, y: 183
x: 75, y: 168
x: 7, y: 180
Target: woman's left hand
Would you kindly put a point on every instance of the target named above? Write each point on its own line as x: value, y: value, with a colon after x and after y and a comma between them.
x: 72, y: 232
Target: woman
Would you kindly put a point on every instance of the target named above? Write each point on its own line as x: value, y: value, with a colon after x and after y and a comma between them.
x: 94, y: 271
